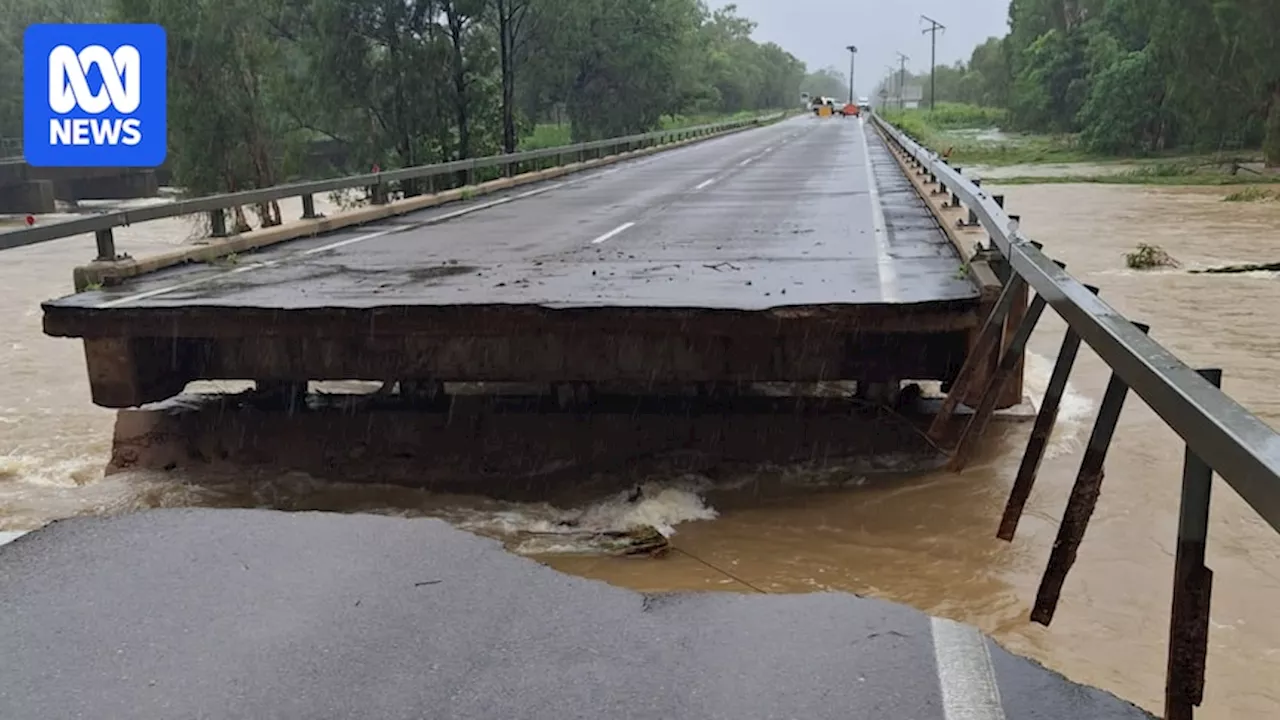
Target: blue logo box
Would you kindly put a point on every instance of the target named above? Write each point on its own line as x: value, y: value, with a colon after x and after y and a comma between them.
x: 94, y: 95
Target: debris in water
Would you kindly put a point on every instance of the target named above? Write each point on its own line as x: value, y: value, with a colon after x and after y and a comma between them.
x: 634, y: 541
x: 1148, y: 257
x: 1228, y: 269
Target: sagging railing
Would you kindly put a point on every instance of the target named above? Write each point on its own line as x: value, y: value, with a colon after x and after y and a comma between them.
x: 378, y: 184
x: 1220, y: 435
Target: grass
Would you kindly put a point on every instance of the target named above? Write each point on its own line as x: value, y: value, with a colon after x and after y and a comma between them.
x: 971, y: 135
x: 1139, y: 178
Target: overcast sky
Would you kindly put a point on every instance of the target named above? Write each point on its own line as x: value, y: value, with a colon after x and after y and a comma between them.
x: 818, y: 31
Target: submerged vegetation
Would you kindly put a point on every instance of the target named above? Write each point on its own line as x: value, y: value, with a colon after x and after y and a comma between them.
x: 1150, y: 257
x: 1252, y: 193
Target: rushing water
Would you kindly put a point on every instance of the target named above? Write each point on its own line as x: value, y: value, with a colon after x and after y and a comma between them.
x: 927, y: 540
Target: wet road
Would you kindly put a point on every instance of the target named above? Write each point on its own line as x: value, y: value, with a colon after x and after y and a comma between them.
x: 803, y: 212
x: 927, y: 541
x: 208, y: 614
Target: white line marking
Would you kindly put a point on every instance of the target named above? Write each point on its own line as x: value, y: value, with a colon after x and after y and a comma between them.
x: 965, y: 673
x: 704, y: 184
x: 433, y: 220
x: 746, y: 162
x: 884, y: 261
x: 8, y: 536
x: 613, y: 233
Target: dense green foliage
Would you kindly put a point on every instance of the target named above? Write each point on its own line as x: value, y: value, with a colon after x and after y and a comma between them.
x: 402, y: 82
x: 1132, y: 76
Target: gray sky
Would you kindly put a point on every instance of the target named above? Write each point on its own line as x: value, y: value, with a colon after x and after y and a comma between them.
x: 818, y: 31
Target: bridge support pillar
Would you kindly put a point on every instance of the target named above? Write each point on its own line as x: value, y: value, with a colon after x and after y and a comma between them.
x: 129, y: 372
x: 126, y: 185
x: 32, y: 196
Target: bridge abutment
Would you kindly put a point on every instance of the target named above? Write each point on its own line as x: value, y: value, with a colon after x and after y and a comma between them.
x: 33, y: 197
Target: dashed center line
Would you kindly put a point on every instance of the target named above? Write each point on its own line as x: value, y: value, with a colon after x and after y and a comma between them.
x: 704, y: 184
x: 613, y: 233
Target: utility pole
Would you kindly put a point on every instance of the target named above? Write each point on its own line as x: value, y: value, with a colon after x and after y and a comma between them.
x: 934, y: 27
x: 902, y: 81
x: 853, y: 56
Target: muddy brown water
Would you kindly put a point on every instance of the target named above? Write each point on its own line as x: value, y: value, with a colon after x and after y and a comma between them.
x: 926, y: 540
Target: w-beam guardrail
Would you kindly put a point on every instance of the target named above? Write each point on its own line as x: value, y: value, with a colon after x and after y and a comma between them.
x: 1220, y: 435
x: 217, y: 205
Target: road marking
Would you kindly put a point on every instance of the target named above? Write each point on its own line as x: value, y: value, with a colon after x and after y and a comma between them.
x: 613, y: 233
x: 884, y: 261
x: 965, y: 673
x: 433, y: 220
x: 705, y: 184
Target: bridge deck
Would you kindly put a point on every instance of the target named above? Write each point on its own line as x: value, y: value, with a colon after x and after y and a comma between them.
x: 779, y: 217
x: 794, y: 252
x: 236, y: 614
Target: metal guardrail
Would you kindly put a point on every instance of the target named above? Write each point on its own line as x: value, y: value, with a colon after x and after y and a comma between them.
x: 216, y: 205
x: 1221, y: 436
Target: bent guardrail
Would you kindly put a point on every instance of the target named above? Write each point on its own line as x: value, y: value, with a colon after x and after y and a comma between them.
x: 1221, y: 436
x: 216, y: 205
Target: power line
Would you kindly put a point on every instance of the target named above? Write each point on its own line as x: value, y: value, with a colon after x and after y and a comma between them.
x: 934, y: 27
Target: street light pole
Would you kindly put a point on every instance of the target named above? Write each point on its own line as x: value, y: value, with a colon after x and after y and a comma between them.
x: 934, y: 27
x: 853, y: 56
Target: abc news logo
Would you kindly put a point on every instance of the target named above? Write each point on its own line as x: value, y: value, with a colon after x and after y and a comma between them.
x: 94, y: 95
x: 69, y: 90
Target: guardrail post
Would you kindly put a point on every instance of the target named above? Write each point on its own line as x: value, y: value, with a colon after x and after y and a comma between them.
x: 218, y: 223
x: 1084, y: 499
x: 309, y: 207
x: 987, y: 343
x: 1038, y: 442
x: 378, y: 193
x: 1009, y: 362
x: 1192, y: 587
x: 955, y: 199
x: 106, y: 242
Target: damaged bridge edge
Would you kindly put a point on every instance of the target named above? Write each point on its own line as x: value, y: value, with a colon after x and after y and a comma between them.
x: 981, y: 266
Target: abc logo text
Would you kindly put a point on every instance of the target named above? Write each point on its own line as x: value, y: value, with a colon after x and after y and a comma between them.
x: 94, y: 95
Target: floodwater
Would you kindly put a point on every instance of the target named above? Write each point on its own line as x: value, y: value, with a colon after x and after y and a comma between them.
x: 927, y: 540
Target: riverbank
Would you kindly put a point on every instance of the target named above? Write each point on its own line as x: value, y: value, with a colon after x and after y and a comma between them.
x: 976, y: 139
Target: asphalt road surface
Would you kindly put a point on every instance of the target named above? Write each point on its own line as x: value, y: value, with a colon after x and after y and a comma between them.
x: 806, y: 211
x: 212, y: 614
